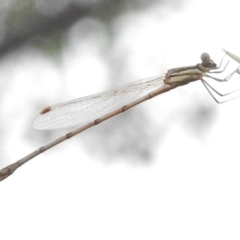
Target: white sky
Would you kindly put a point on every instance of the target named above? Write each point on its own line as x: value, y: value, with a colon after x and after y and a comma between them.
x: 190, y: 191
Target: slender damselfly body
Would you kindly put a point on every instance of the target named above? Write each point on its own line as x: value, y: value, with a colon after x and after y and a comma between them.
x: 94, y: 109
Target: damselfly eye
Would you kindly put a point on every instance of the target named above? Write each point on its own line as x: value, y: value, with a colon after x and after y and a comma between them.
x: 205, y: 58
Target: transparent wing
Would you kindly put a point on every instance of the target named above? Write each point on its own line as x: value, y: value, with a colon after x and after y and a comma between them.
x: 86, y: 109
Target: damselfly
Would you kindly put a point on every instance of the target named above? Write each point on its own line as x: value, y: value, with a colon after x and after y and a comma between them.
x: 91, y: 110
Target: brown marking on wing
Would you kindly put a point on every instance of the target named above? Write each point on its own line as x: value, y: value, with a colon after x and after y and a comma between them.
x: 45, y: 110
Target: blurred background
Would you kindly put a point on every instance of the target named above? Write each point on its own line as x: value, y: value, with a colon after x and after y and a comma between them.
x: 167, y: 169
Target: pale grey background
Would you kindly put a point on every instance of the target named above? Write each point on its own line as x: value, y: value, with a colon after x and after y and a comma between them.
x: 168, y: 169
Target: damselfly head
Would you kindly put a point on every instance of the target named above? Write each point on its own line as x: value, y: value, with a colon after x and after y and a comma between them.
x: 207, y: 61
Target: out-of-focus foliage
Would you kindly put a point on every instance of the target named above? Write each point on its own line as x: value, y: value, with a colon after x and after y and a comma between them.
x: 30, y: 21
